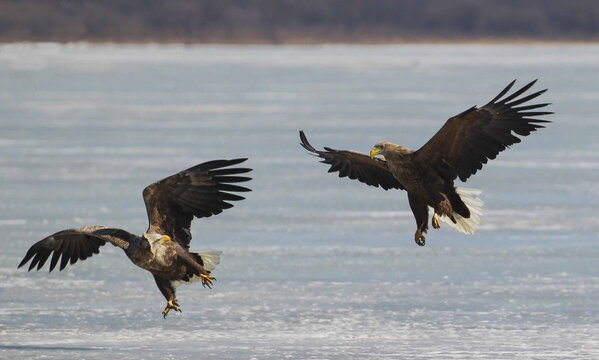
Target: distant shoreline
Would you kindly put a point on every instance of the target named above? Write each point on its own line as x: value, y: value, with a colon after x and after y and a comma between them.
x: 275, y: 22
x: 482, y: 42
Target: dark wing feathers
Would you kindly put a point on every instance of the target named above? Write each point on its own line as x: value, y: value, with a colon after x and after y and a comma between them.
x: 470, y: 139
x: 74, y: 244
x: 201, y: 191
x: 355, y: 165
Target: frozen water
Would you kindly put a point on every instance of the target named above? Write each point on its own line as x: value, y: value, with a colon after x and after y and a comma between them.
x: 313, y: 267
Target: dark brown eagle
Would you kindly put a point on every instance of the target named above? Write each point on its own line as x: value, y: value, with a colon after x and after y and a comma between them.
x: 163, y: 250
x: 458, y: 150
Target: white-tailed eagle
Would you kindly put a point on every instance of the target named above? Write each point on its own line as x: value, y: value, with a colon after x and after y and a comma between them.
x: 458, y: 150
x: 201, y: 191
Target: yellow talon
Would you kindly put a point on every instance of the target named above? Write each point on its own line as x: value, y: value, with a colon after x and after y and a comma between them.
x: 207, y: 280
x: 171, y: 305
x: 436, y: 223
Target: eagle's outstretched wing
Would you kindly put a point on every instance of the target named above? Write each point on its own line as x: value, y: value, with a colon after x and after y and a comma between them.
x: 470, y: 139
x: 75, y: 244
x: 201, y: 191
x: 355, y: 165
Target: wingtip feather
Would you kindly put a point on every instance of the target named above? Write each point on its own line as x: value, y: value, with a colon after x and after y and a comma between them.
x: 305, y: 143
x: 26, y: 259
x: 502, y: 92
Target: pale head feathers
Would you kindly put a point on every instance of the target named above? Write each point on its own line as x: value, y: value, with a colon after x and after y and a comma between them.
x: 385, y: 147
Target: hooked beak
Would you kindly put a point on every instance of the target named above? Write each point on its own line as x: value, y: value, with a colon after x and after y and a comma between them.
x: 374, y: 152
x: 166, y: 238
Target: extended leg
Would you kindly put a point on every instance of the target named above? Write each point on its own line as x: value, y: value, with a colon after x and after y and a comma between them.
x: 420, y: 211
x: 168, y: 291
x: 195, y: 267
x: 443, y: 208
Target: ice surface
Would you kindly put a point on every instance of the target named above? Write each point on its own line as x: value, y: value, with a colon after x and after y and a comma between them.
x: 313, y: 266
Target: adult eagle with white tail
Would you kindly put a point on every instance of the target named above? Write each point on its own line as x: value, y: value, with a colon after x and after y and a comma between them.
x: 458, y: 150
x: 163, y: 250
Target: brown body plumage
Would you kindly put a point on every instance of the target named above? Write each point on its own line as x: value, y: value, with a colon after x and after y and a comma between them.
x: 458, y: 150
x: 163, y: 250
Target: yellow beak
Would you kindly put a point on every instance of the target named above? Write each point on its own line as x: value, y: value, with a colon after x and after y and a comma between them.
x: 166, y: 238
x: 374, y: 152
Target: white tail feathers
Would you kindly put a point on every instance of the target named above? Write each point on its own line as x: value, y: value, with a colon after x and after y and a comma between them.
x: 210, y: 259
x: 470, y: 198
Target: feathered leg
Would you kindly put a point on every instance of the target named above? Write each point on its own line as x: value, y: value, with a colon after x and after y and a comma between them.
x: 196, y: 267
x: 420, y: 211
x: 167, y: 289
x: 443, y: 208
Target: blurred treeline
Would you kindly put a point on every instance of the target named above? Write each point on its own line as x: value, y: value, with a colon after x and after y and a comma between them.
x: 297, y: 21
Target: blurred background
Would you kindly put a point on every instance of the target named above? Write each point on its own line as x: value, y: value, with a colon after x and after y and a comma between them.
x: 100, y: 98
x: 288, y: 21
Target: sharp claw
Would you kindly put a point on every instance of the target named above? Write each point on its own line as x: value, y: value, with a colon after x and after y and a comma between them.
x: 172, y: 304
x: 207, y: 280
x: 419, y: 238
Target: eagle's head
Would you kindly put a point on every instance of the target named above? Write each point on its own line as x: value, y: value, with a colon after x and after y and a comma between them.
x: 385, y: 147
x: 155, y: 239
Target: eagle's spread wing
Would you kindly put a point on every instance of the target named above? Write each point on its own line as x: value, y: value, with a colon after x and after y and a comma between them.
x: 201, y: 191
x: 355, y: 165
x: 470, y: 139
x: 75, y: 244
